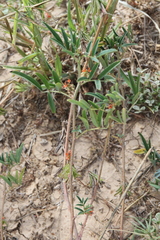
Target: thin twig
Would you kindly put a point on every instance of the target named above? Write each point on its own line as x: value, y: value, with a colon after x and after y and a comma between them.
x: 123, y: 178
x: 124, y: 193
x: 5, y: 98
x: 71, y: 175
x: 105, y: 149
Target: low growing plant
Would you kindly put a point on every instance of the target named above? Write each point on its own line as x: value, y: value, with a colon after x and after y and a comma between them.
x: 148, y: 228
x: 9, y: 160
x: 86, y: 209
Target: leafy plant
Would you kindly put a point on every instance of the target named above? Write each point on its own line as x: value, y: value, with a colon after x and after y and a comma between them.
x: 156, y: 182
x: 119, y: 42
x: 66, y: 171
x: 86, y: 209
x: 154, y: 155
x: 10, y: 179
x: 10, y: 160
x: 147, y: 228
x: 150, y: 92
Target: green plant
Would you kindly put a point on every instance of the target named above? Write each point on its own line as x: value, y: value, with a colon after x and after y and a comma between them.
x: 154, y: 155
x: 147, y: 228
x: 9, y: 160
x: 86, y: 209
x: 156, y: 182
x: 66, y: 172
x: 119, y: 42
x: 147, y: 92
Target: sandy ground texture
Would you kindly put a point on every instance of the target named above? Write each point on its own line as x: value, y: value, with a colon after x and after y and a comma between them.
x: 37, y: 210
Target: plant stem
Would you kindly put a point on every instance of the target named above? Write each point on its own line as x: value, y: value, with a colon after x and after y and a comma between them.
x: 123, y: 179
x: 123, y: 153
x: 105, y: 149
x: 3, y: 194
x: 71, y: 175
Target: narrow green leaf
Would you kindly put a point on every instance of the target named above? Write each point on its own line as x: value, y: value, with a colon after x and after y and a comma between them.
x: 57, y: 37
x: 20, y: 51
x: 58, y: 43
x: 103, y: 61
x: 94, y: 59
x: 108, y: 69
x: 18, y: 153
x: 80, y: 204
x: 146, y: 145
x: 79, y: 198
x: 83, y: 79
x: 65, y: 37
x: 100, y: 117
x: 154, y: 185
x: 82, y: 103
x: 37, y: 36
x: 97, y: 95
x: 125, y: 78
x: 69, y: 52
x: 7, y: 180
x: 85, y: 122
x: 95, y: 48
x: 94, y: 105
x: 93, y: 71
x: 135, y: 98
x: 73, y: 37
x: 119, y: 116
x: 104, y: 52
x: 51, y: 102
x: 15, y: 26
x: 98, y: 84
x: 79, y: 209
x: 13, y: 158
x: 28, y: 57
x: 69, y: 16
x: 55, y: 76
x: 44, y: 80
x: 133, y: 83
x: 12, y: 178
x: 58, y: 65
x: 116, y: 119
x: 124, y: 115
x: 85, y: 201
x: 93, y: 116
x: 28, y: 78
x: 106, y: 119
x: 17, y: 67
x: 84, y: 113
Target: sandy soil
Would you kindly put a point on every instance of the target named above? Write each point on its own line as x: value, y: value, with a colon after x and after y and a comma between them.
x: 37, y: 209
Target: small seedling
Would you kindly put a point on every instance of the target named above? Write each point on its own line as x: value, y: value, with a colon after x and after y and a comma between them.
x: 86, y: 209
x: 148, y: 228
x: 156, y: 181
x: 8, y: 162
x: 154, y: 155
x: 66, y: 171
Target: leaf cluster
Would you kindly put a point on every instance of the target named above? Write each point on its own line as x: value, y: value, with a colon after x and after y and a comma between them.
x: 86, y: 209
x: 9, y: 159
